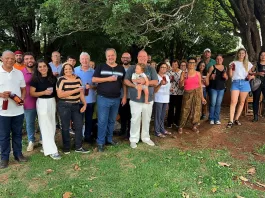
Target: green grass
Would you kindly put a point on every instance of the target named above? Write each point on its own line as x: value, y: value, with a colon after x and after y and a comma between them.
x: 123, y: 172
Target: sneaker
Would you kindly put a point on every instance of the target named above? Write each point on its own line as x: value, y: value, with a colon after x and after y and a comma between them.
x: 42, y: 151
x: 82, y: 150
x: 40, y: 142
x: 211, y: 122
x: 30, y: 146
x: 133, y: 145
x: 71, y: 131
x: 150, y: 143
x: 218, y: 122
x: 55, y: 156
x: 66, y: 152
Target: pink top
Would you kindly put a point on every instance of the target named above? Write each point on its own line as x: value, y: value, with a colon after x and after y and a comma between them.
x: 191, y: 83
x: 30, y: 102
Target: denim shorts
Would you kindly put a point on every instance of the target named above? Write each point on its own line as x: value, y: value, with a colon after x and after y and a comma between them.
x: 240, y: 85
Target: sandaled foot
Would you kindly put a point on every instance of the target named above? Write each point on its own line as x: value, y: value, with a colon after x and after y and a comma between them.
x: 167, y: 133
x: 195, y: 129
x: 180, y: 131
x: 160, y: 135
x: 229, y: 125
x: 236, y: 122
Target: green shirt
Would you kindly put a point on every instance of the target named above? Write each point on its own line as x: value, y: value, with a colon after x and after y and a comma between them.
x: 211, y: 63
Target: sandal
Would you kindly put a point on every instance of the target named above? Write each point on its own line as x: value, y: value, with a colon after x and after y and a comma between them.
x: 195, y: 129
x: 160, y: 135
x: 180, y: 131
x: 236, y: 122
x: 167, y: 133
x: 229, y: 125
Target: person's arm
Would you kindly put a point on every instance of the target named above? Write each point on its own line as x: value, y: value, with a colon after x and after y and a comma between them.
x: 158, y: 87
x: 153, y: 82
x: 125, y: 93
x: 33, y: 92
x: 146, y: 81
x: 230, y: 69
x: 200, y: 82
x: 83, y: 100
x: 64, y: 94
x: 207, y: 80
x: 104, y: 79
x: 181, y: 81
x: 23, y: 92
x: 5, y: 94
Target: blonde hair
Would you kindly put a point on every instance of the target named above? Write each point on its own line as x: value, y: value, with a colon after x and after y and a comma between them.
x: 142, y: 66
x: 245, y: 61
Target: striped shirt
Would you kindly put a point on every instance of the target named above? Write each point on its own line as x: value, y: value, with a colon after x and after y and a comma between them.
x: 69, y: 85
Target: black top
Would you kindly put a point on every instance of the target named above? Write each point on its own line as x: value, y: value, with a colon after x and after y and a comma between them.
x: 43, y: 85
x: 219, y: 82
x: 110, y: 89
x: 261, y: 68
x: 65, y: 85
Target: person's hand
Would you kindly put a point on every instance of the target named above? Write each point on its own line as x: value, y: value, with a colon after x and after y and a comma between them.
x: 204, y: 102
x: 163, y: 82
x: 47, y: 92
x: 142, y: 81
x: 88, y: 86
x: 250, y: 77
x: 213, y: 76
x: 225, y: 76
x: 112, y: 78
x: 82, y: 110
x: 6, y: 94
x: 261, y: 74
x: 123, y: 101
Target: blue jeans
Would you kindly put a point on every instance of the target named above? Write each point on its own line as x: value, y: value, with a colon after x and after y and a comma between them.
x: 215, y: 104
x: 30, y: 117
x: 12, y: 124
x: 107, y: 113
x: 160, y: 113
x: 88, y: 120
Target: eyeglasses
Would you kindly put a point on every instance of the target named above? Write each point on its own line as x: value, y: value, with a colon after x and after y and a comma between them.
x: 191, y: 62
x: 163, y: 67
x: 125, y: 57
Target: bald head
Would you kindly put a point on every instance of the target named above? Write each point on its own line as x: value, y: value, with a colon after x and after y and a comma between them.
x: 142, y: 57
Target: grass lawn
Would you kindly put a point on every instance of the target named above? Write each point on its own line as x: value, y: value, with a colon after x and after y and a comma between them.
x: 143, y: 172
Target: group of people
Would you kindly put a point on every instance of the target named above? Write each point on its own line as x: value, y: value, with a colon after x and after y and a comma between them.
x: 67, y: 96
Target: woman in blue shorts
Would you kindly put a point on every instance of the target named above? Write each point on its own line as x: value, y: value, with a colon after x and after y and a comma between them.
x: 240, y: 72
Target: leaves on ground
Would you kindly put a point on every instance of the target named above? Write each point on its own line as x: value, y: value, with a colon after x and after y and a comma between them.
x: 77, y: 168
x: 214, y: 189
x: 243, y: 178
x: 185, y: 195
x: 48, y: 171
x: 251, y: 171
x: 67, y: 195
x: 260, y: 184
x: 91, y: 190
x: 91, y: 178
x: 238, y: 196
x: 224, y: 164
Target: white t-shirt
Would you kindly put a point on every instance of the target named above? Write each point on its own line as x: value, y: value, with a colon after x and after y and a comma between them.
x: 12, y: 81
x: 240, y: 72
x: 162, y: 95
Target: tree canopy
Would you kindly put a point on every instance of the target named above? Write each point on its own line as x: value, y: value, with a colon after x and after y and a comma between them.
x: 166, y: 28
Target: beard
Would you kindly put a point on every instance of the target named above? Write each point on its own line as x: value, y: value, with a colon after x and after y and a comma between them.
x: 19, y: 60
x: 126, y: 63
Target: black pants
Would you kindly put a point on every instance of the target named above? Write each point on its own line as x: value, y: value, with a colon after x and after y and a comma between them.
x: 256, y: 97
x: 174, y: 109
x: 125, y: 116
x: 67, y: 112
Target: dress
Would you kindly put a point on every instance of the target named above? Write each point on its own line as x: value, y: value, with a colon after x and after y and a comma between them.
x: 138, y: 76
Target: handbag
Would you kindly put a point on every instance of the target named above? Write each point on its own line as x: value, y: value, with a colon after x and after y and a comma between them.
x: 255, y: 83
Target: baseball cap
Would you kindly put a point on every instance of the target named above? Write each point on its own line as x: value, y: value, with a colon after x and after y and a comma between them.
x: 18, y: 52
x: 207, y: 49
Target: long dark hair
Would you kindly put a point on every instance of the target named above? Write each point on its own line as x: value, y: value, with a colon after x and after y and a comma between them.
x: 36, y: 77
x: 262, y: 51
x: 204, y: 72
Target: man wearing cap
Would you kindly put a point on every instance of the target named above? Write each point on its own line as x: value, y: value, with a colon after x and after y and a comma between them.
x: 207, y: 58
x: 19, y: 60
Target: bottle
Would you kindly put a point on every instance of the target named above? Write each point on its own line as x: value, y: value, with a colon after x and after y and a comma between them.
x: 17, y: 99
x: 164, y: 78
x: 5, y: 104
x: 86, y: 91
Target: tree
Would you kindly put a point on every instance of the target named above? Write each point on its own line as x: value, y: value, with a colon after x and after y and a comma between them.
x: 248, y: 19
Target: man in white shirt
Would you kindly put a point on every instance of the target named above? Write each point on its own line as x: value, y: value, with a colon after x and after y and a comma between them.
x: 11, y: 119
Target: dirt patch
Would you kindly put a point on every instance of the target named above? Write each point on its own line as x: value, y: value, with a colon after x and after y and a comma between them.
x: 4, y: 178
x: 240, y: 141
